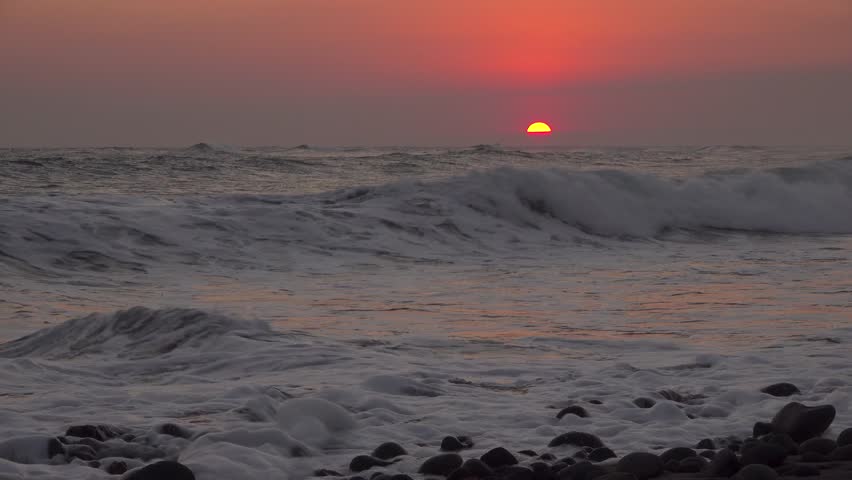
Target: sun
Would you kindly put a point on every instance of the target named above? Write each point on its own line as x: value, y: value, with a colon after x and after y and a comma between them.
x: 539, y: 129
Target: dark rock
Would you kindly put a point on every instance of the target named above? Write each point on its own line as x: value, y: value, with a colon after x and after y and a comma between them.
x: 477, y: 467
x: 528, y: 453
x: 442, y: 464
x: 580, y: 439
x: 131, y: 450
x: 357, y: 477
x: 692, y: 464
x: 116, y: 468
x: 708, y: 454
x: 567, y: 461
x: 706, y: 444
x: 802, y: 422
x: 573, y: 410
x: 798, y: 470
x: 819, y: 445
x: 845, y: 438
x: 323, y: 472
x: 672, y: 466
x: 83, y: 452
x: 462, y: 474
x: 498, y: 457
x: 94, y: 464
x: 581, y: 471
x: 763, y: 454
x: 451, y: 444
x: 559, y: 466
x: 601, y: 454
x: 514, y: 472
x: 541, y: 471
x: 389, y: 450
x: 725, y: 464
x: 581, y: 455
x: 782, y: 440
x: 366, y: 462
x: 596, y: 402
x: 672, y: 396
x: 756, y: 472
x: 98, y: 432
x: 547, y: 456
x: 466, y: 441
x: 842, y: 454
x: 643, y: 465
x: 54, y: 447
x: 401, y: 476
x: 677, y: 454
x: 380, y: 476
x: 174, y: 430
x: 781, y: 389
x: 618, y: 476
x: 165, y: 469
x: 298, y: 451
x: 762, y: 428
x: 813, y: 457
x: 644, y: 402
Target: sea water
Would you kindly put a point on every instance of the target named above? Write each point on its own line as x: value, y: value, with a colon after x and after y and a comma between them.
x: 296, y: 307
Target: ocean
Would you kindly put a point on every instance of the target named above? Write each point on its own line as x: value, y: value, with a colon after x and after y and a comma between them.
x: 292, y: 308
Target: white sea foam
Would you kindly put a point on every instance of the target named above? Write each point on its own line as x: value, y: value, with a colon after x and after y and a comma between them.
x: 305, y: 305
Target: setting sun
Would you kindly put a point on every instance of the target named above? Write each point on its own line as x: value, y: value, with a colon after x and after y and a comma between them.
x: 539, y: 128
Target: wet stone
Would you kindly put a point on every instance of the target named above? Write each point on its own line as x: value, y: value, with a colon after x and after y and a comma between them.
x: 644, y: 402
x: 643, y: 465
x: 706, y: 444
x: 819, y: 445
x: 162, y: 470
x: 601, y: 454
x: 580, y: 439
x: 442, y: 464
x: 389, y: 450
x: 573, y: 410
x: 783, y: 389
x: 498, y: 457
x: 366, y: 462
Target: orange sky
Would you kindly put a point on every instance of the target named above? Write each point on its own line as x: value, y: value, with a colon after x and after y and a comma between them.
x: 255, y: 58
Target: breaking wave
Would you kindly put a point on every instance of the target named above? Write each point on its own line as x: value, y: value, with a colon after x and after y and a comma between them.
x: 483, y: 213
x: 138, y: 332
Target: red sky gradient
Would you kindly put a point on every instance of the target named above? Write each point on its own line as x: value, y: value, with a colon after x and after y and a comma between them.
x: 424, y: 72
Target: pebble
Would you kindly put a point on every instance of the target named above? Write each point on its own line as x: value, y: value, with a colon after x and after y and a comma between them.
x: 764, y: 454
x: 573, y: 410
x: 618, y: 476
x: 819, y: 445
x: 528, y: 453
x: 581, y: 471
x: 165, y: 469
x: 677, y: 454
x: 643, y: 465
x: 451, y: 444
x: 601, y: 454
x: 98, y: 432
x: 783, y: 389
x: 802, y: 422
x: 366, y: 462
x: 323, y: 472
x: 693, y: 464
x: 580, y: 439
x: 389, y: 450
x: 174, y: 430
x: 756, y: 472
x: 843, y: 454
x: 783, y: 440
x: 477, y: 467
x: 443, y: 464
x: 845, y: 438
x: 724, y: 464
x: 706, y: 444
x: 498, y: 457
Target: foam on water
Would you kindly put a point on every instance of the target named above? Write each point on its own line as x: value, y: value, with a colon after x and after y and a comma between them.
x: 295, y: 307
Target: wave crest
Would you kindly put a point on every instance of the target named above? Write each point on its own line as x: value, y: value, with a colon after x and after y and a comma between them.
x: 138, y: 332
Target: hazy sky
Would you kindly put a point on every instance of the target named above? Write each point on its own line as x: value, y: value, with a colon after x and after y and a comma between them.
x: 424, y: 72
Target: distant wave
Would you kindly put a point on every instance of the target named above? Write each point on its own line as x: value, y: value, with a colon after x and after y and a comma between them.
x: 484, y: 213
x: 135, y: 333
